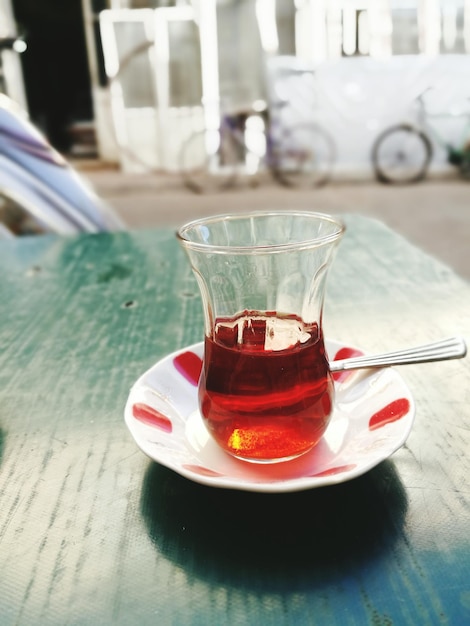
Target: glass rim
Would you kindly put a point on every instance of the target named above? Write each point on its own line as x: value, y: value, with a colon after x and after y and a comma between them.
x: 307, y: 242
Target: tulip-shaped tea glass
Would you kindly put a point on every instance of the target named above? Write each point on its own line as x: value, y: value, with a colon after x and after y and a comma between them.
x: 265, y: 391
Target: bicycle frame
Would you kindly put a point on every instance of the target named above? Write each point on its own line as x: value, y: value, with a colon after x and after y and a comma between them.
x: 295, y: 155
x: 273, y: 127
x: 425, y: 125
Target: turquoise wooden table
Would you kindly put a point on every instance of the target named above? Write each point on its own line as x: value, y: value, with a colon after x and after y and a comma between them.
x: 94, y: 532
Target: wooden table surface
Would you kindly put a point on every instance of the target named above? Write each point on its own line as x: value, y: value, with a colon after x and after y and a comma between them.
x: 93, y: 532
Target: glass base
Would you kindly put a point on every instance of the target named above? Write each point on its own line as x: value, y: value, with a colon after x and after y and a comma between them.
x: 256, y: 461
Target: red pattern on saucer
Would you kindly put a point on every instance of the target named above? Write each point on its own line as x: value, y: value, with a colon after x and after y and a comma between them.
x: 335, y: 470
x: 151, y: 417
x: 189, y: 365
x: 390, y: 413
x: 199, y: 469
x: 345, y: 353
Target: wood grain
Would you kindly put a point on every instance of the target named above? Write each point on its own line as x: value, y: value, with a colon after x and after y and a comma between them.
x: 92, y: 532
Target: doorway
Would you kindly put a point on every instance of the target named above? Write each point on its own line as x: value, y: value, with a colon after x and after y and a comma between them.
x: 55, y: 68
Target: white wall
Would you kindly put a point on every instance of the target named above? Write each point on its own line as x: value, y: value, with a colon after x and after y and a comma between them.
x: 356, y: 98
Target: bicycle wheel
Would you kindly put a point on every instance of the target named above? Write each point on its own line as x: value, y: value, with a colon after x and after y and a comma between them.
x: 304, y: 157
x: 401, y: 154
x: 209, y: 161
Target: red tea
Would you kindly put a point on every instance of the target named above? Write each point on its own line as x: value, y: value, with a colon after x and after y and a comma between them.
x: 265, y: 391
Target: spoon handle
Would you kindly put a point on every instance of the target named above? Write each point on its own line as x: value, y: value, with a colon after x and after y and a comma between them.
x: 452, y: 348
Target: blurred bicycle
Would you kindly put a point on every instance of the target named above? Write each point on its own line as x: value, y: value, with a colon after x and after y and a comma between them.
x: 297, y: 155
x: 402, y: 153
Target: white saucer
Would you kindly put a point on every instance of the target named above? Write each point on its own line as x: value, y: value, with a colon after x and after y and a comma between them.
x: 372, y: 418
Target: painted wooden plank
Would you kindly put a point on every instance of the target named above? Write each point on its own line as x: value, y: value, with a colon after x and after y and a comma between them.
x: 92, y: 532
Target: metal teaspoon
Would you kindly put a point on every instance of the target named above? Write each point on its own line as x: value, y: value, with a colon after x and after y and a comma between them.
x: 452, y: 348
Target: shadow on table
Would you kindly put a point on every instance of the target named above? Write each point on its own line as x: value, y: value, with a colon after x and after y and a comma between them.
x: 241, y: 538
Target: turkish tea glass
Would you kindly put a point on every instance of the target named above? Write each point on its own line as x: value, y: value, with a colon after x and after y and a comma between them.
x: 265, y: 391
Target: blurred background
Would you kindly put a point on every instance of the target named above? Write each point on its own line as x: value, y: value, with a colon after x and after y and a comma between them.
x: 92, y: 85
x: 119, y: 86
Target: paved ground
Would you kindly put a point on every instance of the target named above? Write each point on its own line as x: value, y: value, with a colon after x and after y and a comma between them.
x: 434, y: 214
